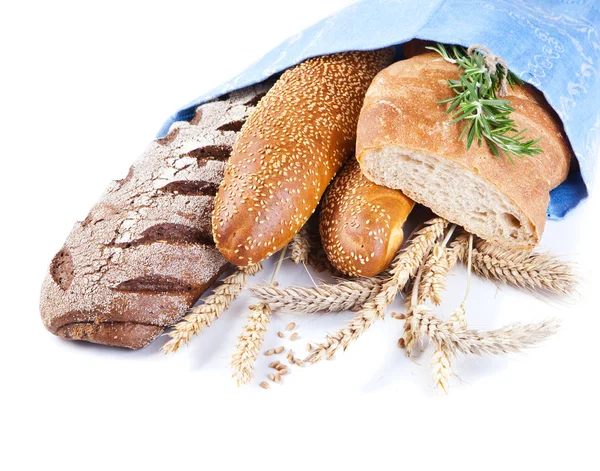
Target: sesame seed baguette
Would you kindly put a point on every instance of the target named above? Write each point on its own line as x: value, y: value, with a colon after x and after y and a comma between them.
x: 361, y: 222
x: 289, y: 150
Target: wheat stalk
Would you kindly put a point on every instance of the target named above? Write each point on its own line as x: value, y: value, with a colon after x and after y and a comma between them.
x: 346, y: 295
x: 202, y: 316
x: 406, y: 262
x: 441, y: 368
x: 250, y: 342
x: 458, y: 316
x: 300, y: 246
x: 531, y: 271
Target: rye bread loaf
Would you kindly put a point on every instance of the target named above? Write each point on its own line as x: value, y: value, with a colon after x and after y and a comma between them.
x: 405, y: 141
x: 361, y: 223
x: 145, y: 254
x: 289, y: 150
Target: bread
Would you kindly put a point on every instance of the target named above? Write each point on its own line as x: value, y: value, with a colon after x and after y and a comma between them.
x: 406, y: 141
x: 144, y: 254
x: 288, y: 151
x: 361, y: 222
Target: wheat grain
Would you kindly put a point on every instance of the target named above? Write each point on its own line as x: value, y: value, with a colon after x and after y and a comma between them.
x: 406, y: 262
x: 294, y: 336
x: 531, y: 271
x: 202, y: 316
x: 264, y: 385
x: 300, y: 246
x: 291, y: 326
x: 250, y: 342
x: 441, y: 368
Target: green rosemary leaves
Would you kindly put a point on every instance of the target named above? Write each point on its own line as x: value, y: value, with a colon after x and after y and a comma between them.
x: 476, y: 103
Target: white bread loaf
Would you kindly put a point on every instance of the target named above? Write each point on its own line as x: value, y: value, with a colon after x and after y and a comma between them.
x: 405, y: 141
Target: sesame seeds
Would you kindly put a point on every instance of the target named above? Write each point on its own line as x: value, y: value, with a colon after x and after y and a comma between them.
x: 356, y: 226
x: 288, y: 151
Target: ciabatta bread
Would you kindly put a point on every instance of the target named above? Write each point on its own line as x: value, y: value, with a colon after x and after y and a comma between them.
x: 405, y: 141
x: 288, y: 151
x: 361, y: 222
x: 145, y: 254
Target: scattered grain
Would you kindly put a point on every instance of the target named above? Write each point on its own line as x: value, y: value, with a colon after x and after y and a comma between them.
x: 279, y: 350
x: 294, y: 336
x: 291, y: 326
x: 264, y: 385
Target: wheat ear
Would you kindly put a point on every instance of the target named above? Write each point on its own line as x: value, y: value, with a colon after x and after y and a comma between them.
x: 509, y: 339
x: 253, y: 333
x: 346, y: 295
x: 415, y: 308
x: 404, y: 266
x: 250, y: 342
x: 212, y: 306
x: 531, y: 271
x: 441, y: 368
x: 435, y: 270
x: 300, y: 246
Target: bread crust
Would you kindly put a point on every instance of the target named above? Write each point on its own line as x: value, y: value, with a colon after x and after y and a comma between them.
x: 144, y: 254
x: 288, y: 151
x: 361, y: 222
x: 401, y: 112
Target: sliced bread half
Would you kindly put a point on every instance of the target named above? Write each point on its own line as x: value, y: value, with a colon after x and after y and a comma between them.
x: 405, y: 141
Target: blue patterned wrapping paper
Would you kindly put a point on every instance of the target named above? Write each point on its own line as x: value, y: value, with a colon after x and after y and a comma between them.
x: 552, y: 44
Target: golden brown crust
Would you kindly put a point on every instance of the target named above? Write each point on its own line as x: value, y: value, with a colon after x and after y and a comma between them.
x: 288, y: 151
x: 401, y: 111
x: 361, y: 222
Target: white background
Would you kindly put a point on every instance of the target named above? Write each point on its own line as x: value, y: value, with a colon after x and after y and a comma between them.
x: 83, y: 88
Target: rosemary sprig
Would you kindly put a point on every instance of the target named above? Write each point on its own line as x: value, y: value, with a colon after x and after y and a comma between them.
x: 476, y: 103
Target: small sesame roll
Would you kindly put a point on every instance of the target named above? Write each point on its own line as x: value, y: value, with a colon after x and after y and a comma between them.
x: 288, y: 151
x: 361, y: 222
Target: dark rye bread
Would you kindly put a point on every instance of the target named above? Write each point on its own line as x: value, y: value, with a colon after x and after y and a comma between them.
x: 145, y: 254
